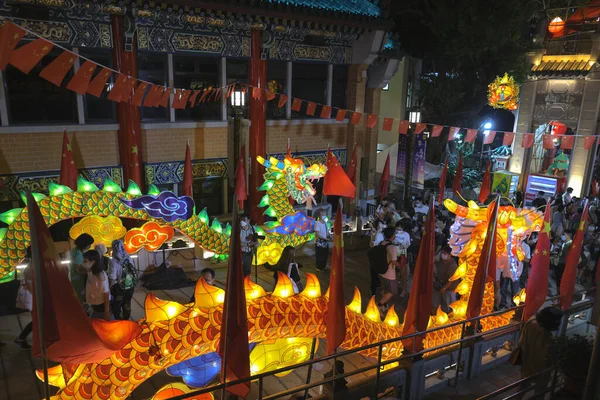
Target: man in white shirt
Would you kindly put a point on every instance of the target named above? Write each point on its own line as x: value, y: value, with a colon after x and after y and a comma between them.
x: 389, y: 285
x: 567, y: 196
x: 511, y: 274
x: 420, y: 207
x: 248, y: 243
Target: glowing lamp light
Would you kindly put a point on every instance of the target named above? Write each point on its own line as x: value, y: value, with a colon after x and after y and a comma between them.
x: 372, y: 312
x: 220, y: 298
x: 356, y: 305
x: 83, y: 185
x: 441, y: 317
x: 313, y: 288
x: 9, y: 216
x: 519, y: 297
x: 284, y: 286
x: 414, y: 117
x: 487, y: 125
x: 57, y: 190
x: 238, y: 98
x: 391, y: 318
x: 133, y: 189
x: 111, y: 186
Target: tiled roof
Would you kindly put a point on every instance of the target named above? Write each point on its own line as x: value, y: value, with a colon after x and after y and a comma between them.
x: 356, y: 7
x: 563, y: 66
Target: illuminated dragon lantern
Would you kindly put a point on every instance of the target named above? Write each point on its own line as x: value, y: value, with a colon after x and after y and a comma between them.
x: 467, y: 238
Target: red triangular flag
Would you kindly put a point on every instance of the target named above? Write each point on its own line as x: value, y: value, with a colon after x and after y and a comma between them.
x: 296, y: 104
x: 471, y: 135
x: 489, y: 137
x: 436, y: 131
x: 335, y: 331
x: 10, y: 36
x: 527, y: 141
x: 419, y: 128
x: 282, y: 100
x: 458, y: 175
x: 188, y: 173
x: 96, y: 87
x: 387, y: 124
x: 420, y: 298
x: 588, y: 142
x: 486, y: 183
x: 403, y: 127
x: 70, y: 337
x: 80, y: 82
x: 371, y: 120
x: 355, y: 118
x: 508, y: 138
x: 443, y: 182
x: 310, y: 108
x: 326, y: 112
x: 26, y: 57
x: 537, y: 283
x: 138, y: 95
x: 351, y: 169
x: 454, y: 131
x: 341, y: 115
x: 241, y: 190
x: 68, y: 169
x: 336, y: 182
x: 569, y: 276
x: 233, y: 345
x: 548, y: 141
x: 486, y: 268
x: 567, y: 142
x: 56, y: 71
x: 384, y: 182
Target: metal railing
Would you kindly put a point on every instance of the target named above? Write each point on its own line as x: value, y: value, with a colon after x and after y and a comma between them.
x: 411, y: 356
x: 523, y: 386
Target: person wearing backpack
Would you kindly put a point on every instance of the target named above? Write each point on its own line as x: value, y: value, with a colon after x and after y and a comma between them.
x: 123, y: 278
x: 383, y: 259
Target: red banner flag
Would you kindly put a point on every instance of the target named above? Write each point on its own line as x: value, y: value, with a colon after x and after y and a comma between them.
x: 56, y: 71
x: 311, y: 108
x: 134, y: 162
x: 443, y: 182
x: 489, y: 137
x: 80, y: 82
x: 387, y: 124
x: 282, y: 100
x: 588, y: 142
x: 96, y: 87
x: 256, y: 93
x: 419, y: 128
x: 241, y: 190
x: 471, y: 135
x: 371, y: 120
x: 458, y: 175
x: 537, y: 283
x: 233, y: 345
x: 436, y: 131
x: 527, y: 141
x: 180, y: 101
x: 10, y: 36
x: 341, y: 115
x: 118, y: 90
x: 485, y: 275
x: 68, y: 169
x: 548, y: 141
x: 355, y: 118
x: 508, y: 138
x: 486, y: 183
x: 567, y: 142
x: 193, y: 98
x: 270, y: 95
x: 188, y: 173
x: 335, y: 332
x: 296, y: 104
x: 569, y: 277
x: 138, y: 95
x: 326, y: 112
x: 351, y: 169
x: 403, y: 127
x: 420, y: 298
x: 164, y: 98
x: 26, y: 57
x: 336, y: 182
x: 384, y: 182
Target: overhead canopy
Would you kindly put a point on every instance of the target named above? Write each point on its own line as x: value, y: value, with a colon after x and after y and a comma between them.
x: 431, y: 171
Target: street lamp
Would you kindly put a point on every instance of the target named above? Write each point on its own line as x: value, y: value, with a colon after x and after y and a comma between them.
x: 414, y: 116
x: 238, y: 98
x: 487, y: 125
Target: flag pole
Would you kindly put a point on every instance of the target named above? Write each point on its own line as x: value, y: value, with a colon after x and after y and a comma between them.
x: 37, y: 276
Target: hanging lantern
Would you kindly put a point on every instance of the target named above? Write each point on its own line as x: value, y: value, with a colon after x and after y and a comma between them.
x: 556, y: 27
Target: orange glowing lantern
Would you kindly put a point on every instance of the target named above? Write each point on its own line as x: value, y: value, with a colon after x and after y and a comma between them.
x: 556, y: 26
x: 150, y: 237
x: 178, y: 389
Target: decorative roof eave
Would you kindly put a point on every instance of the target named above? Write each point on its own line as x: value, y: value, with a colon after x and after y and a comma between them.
x: 562, y: 66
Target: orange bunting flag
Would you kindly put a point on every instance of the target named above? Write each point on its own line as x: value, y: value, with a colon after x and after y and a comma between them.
x: 68, y: 169
x: 256, y: 93
x: 310, y: 108
x: 164, y: 99
x: 241, y: 190
x: 27, y: 56
x: 569, y: 276
x: 508, y: 138
x: 326, y: 112
x: 436, y: 131
x: 80, y: 82
x: 403, y: 127
x: 181, y: 98
x: 193, y: 98
x: 296, y: 104
x: 138, y: 95
x: 96, y: 87
x: 458, y: 175
x: 488, y: 138
x: 471, y: 135
x: 537, y: 283
x: 567, y: 142
x: 118, y: 90
x: 527, y: 141
x: 486, y: 183
x: 336, y: 182
x: 270, y: 95
x: 355, y: 118
x: 341, y: 115
x: 150, y: 98
x: 588, y: 142
x: 351, y: 169
x: 454, y: 131
x: 384, y: 182
x: 371, y: 120
x: 443, y: 182
x: 420, y: 128
x: 485, y: 275
x: 10, y: 36
x: 548, y: 141
x: 387, y: 124
x: 421, y: 292
x: 188, y: 174
x: 56, y: 71
x: 335, y: 331
x: 282, y: 100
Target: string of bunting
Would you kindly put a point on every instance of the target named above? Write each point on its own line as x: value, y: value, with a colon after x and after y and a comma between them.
x: 91, y: 78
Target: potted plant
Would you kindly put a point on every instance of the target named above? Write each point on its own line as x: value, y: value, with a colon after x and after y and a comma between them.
x: 573, y: 355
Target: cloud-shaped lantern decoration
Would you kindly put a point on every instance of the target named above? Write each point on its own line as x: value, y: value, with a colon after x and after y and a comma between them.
x: 102, y: 229
x: 150, y: 237
x: 198, y: 371
x: 166, y: 206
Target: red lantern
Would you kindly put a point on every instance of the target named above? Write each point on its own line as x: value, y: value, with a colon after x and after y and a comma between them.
x: 556, y: 27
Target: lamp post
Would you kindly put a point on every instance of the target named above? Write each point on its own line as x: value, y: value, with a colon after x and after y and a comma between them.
x: 486, y: 126
x: 238, y: 105
x: 414, y: 117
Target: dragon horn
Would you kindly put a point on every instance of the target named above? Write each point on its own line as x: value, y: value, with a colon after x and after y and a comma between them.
x: 474, y: 214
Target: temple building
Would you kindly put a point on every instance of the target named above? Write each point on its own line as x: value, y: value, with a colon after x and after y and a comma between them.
x: 333, y: 53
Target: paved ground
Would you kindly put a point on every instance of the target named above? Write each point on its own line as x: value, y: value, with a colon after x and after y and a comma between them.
x: 18, y: 381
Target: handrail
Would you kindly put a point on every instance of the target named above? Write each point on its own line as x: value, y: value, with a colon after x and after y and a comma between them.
x: 380, y: 363
x: 517, y: 384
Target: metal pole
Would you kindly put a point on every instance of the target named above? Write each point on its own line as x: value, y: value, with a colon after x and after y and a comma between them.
x: 309, y: 373
x: 592, y: 384
x: 37, y: 286
x: 379, y: 353
x: 260, y: 388
x: 458, y: 359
